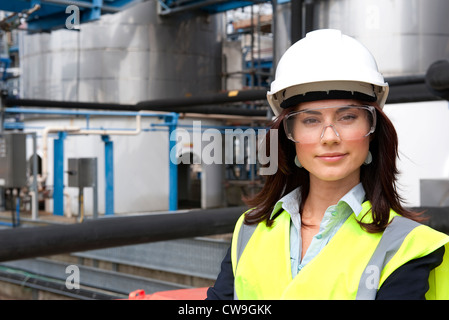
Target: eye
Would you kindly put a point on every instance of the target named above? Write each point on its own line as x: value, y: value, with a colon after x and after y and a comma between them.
x: 348, y: 117
x: 310, y: 121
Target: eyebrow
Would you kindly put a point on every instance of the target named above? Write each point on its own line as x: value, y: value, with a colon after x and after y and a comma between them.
x: 310, y: 111
x: 339, y: 109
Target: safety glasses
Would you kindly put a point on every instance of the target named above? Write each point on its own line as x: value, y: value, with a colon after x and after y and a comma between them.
x: 349, y: 122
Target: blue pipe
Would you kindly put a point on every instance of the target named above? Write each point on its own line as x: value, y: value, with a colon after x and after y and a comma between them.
x: 109, y: 174
x: 58, y: 175
x: 210, y: 126
x: 84, y: 112
x: 173, y: 167
x: 18, y: 210
x: 21, y: 126
x: 170, y: 120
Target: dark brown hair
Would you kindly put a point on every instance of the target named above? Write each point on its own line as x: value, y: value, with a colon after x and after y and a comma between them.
x: 378, y: 178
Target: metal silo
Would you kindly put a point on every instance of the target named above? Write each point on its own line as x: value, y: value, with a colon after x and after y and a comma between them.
x: 405, y: 36
x: 130, y: 56
x: 126, y: 57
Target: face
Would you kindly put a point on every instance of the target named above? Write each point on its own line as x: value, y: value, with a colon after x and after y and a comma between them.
x: 331, y: 157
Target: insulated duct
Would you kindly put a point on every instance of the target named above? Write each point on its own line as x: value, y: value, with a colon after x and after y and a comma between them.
x: 22, y: 243
x: 437, y: 79
x: 195, y: 104
x: 411, y: 88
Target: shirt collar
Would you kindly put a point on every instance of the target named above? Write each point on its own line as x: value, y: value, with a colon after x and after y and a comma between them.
x: 290, y: 202
x: 354, y: 198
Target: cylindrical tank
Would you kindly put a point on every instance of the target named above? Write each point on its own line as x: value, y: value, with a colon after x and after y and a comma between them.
x: 405, y: 36
x: 126, y: 57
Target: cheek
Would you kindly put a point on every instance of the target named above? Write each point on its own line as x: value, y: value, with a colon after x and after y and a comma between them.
x: 359, y: 150
x: 306, y: 153
x: 304, y: 150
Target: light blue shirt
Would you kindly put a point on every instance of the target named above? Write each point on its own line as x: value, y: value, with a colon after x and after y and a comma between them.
x: 333, y: 219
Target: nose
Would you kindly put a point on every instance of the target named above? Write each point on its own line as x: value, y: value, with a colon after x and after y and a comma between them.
x: 330, y: 135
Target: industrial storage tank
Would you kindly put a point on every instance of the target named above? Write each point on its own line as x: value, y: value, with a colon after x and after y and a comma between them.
x: 126, y: 57
x: 405, y: 36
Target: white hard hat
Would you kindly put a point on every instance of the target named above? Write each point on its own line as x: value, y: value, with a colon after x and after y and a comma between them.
x: 326, y: 64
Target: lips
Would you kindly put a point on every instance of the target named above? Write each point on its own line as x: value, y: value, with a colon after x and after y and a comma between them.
x: 331, y: 157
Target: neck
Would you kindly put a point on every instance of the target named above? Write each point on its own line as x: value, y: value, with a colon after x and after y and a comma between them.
x: 323, y: 194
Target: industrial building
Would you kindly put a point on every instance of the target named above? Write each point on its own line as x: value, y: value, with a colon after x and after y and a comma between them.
x: 128, y: 117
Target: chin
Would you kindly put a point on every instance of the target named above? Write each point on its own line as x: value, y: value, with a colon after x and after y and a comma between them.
x: 333, y: 175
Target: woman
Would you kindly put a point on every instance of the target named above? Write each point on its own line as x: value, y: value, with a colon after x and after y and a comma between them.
x: 329, y: 223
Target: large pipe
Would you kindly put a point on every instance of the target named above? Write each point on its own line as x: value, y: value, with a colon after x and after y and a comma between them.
x: 217, y: 98
x: 214, y: 110
x: 23, y: 243
x: 437, y: 79
x: 153, y: 105
x: 11, y: 102
x: 403, y: 89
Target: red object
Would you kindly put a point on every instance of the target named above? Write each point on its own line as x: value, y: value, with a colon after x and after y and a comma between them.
x: 181, y: 294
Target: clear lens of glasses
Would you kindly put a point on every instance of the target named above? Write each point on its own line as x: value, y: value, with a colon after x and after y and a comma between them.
x: 346, y: 122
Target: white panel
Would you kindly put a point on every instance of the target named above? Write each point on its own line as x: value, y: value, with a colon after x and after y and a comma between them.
x: 423, y: 144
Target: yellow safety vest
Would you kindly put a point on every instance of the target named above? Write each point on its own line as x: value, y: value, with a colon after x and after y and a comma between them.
x: 353, y: 265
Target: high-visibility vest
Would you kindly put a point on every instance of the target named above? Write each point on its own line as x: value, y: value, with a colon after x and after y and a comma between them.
x: 353, y: 265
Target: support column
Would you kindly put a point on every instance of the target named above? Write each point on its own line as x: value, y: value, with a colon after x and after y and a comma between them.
x: 109, y: 174
x: 172, y: 122
x: 58, y: 175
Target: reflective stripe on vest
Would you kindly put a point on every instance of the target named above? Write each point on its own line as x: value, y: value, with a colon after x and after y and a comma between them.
x: 389, y: 244
x: 244, y: 234
x: 328, y: 276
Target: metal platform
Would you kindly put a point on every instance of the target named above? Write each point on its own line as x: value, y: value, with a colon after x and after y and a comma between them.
x: 48, y: 15
x: 115, y: 272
